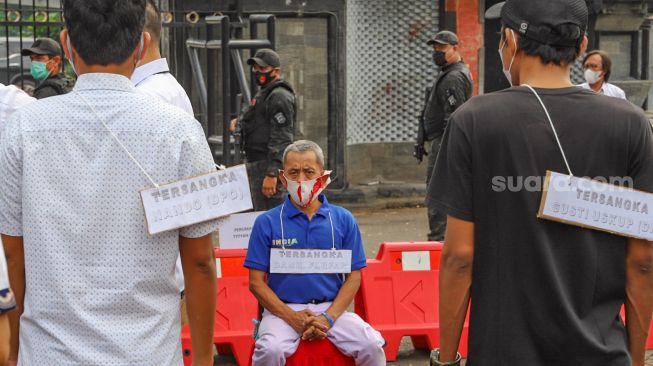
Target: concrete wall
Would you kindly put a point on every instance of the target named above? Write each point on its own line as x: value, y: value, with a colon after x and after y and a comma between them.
x: 384, y: 100
x: 618, y: 47
x: 389, y: 65
x: 384, y: 162
x: 470, y: 32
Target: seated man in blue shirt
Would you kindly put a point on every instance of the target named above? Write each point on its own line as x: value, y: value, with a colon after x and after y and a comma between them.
x: 302, y: 299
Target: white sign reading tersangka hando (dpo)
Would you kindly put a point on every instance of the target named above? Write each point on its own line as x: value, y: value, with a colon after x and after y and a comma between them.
x: 194, y: 200
x: 601, y: 206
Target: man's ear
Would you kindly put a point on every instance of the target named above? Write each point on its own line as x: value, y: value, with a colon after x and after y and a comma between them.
x: 282, y: 178
x: 583, y: 47
x: 56, y: 62
x: 63, y: 37
x: 512, y: 40
x: 509, y: 36
x: 146, y: 39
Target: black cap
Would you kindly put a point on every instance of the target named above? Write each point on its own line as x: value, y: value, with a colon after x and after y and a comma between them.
x: 43, y: 46
x: 265, y: 57
x: 444, y: 37
x: 537, y: 20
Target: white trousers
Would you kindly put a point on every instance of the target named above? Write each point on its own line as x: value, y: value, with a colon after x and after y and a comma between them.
x: 350, y: 334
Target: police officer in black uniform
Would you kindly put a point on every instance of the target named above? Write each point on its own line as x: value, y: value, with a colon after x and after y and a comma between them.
x: 45, y: 54
x: 267, y: 127
x: 451, y: 89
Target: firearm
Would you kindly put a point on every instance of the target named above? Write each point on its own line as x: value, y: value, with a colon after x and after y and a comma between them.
x: 419, y: 151
x: 238, y: 133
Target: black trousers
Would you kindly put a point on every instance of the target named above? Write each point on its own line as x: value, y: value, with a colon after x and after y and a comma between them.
x: 256, y: 171
x: 437, y: 219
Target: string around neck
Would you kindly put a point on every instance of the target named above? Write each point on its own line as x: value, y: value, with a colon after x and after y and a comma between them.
x: 115, y: 137
x: 555, y: 133
x: 283, y: 239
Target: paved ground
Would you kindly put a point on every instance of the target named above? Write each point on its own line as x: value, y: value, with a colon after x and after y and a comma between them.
x: 394, y: 225
x: 377, y: 226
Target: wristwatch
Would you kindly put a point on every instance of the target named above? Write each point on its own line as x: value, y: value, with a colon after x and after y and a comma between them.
x: 435, y: 359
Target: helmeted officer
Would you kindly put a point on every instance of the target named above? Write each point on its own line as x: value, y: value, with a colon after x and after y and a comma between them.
x: 45, y: 54
x: 267, y: 126
x: 451, y: 89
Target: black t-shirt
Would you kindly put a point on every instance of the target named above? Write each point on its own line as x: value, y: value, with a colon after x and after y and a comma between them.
x: 543, y: 293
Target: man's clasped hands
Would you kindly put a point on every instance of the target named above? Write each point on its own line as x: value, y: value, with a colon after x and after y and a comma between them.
x: 310, y: 325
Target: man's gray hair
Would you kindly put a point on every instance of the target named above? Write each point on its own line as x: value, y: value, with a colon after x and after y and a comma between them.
x: 301, y: 146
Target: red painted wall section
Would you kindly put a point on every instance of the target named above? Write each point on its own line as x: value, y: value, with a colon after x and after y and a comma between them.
x: 470, y: 32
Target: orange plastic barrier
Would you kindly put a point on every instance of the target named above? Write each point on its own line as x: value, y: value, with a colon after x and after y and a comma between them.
x: 236, y: 307
x: 318, y: 353
x: 399, y: 295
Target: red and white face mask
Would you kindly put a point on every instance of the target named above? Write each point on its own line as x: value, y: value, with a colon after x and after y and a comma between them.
x: 304, y: 192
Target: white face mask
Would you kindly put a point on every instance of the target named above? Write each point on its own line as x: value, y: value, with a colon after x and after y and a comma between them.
x: 507, y: 72
x: 305, y: 192
x: 592, y: 77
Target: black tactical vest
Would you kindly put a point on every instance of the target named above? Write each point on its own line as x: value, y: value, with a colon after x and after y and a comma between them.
x: 60, y: 84
x: 434, y: 113
x: 256, y: 119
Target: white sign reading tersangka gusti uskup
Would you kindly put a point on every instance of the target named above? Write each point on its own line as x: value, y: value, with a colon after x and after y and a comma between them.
x: 597, y: 205
x: 194, y: 200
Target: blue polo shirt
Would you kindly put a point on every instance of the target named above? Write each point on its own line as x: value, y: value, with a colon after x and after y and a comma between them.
x: 302, y: 233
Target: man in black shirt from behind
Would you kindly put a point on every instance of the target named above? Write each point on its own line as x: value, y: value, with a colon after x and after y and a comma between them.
x: 542, y: 293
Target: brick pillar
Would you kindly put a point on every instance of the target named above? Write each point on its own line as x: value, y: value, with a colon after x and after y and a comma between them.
x: 469, y: 30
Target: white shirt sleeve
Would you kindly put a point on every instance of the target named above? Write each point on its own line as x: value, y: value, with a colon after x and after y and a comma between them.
x: 11, y: 99
x: 11, y: 179
x: 166, y: 88
x: 622, y: 94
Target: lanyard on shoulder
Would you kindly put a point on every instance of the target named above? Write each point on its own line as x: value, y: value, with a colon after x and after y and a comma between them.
x: 591, y: 204
x: 124, y: 148
x: 555, y: 133
x: 97, y: 115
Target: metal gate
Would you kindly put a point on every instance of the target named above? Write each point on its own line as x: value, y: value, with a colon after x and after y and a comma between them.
x: 309, y: 38
x: 21, y: 22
